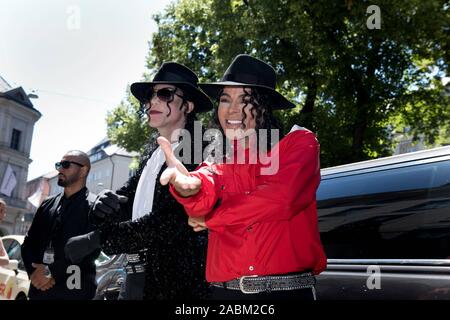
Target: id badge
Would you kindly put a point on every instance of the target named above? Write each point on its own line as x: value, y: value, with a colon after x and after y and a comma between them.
x: 49, y: 256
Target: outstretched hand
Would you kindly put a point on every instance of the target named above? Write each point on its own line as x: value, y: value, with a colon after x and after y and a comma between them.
x: 106, y: 203
x: 176, y: 173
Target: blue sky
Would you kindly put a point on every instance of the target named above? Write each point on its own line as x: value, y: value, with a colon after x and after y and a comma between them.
x: 79, y: 56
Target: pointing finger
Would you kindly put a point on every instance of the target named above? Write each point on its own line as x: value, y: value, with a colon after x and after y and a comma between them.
x: 171, y: 160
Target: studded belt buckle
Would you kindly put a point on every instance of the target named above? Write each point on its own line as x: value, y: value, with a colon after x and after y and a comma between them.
x: 241, y: 284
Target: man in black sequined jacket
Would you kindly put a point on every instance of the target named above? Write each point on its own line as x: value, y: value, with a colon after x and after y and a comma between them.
x: 166, y: 258
x: 174, y: 254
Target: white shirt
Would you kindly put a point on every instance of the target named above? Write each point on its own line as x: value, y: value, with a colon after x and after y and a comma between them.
x: 296, y: 127
x: 145, y: 191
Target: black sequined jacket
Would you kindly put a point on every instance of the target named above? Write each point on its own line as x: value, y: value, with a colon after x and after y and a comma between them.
x: 176, y: 255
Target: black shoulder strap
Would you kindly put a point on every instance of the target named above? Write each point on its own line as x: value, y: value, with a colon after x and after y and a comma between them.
x: 53, y: 216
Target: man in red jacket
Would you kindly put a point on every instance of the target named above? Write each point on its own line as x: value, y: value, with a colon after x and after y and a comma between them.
x: 263, y: 234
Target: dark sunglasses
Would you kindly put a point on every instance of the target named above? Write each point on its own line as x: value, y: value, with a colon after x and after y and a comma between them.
x: 164, y: 94
x: 65, y: 164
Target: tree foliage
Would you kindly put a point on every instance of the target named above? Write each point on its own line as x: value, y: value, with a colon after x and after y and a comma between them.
x: 126, y: 126
x: 354, y: 86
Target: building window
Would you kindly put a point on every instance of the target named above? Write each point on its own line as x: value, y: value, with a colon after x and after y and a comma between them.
x: 95, y: 157
x: 15, y: 139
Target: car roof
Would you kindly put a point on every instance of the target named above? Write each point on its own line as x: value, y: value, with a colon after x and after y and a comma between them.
x: 16, y: 237
x: 392, y: 160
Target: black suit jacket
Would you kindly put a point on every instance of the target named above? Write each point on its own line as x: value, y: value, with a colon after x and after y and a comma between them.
x: 46, y: 227
x: 176, y: 255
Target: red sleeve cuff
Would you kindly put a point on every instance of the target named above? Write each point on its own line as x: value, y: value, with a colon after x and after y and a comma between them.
x: 197, y: 205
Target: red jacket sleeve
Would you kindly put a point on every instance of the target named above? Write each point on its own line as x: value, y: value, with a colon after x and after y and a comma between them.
x: 203, y: 202
x: 282, y: 195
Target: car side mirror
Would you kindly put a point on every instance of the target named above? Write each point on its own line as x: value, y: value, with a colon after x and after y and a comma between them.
x: 13, y: 264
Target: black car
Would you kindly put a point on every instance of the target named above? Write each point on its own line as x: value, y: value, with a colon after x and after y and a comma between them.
x: 385, y: 226
x: 110, y: 276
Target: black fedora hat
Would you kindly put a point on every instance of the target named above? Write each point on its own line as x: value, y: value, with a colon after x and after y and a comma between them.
x: 179, y: 76
x: 250, y: 72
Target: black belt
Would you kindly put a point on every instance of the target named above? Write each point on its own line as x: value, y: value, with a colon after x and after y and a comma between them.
x: 256, y: 284
x: 138, y: 258
x: 134, y: 268
x: 136, y: 262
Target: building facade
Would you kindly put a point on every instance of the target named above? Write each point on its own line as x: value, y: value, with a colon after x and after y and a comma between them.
x: 110, y: 166
x: 17, y: 119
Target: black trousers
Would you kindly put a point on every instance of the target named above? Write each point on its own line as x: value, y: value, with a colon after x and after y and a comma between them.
x: 133, y: 287
x: 218, y: 293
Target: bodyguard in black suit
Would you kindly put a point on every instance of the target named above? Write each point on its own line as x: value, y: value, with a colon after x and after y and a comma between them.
x: 57, y: 219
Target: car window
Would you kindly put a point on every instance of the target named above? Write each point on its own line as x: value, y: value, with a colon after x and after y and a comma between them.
x: 400, y: 213
x: 14, y: 251
x: 7, y: 243
x: 398, y: 179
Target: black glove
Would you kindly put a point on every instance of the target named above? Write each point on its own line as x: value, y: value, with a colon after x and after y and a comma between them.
x: 106, y: 203
x: 77, y: 248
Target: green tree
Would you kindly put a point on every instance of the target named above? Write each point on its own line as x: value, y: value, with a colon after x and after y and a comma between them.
x: 354, y: 86
x: 126, y: 125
